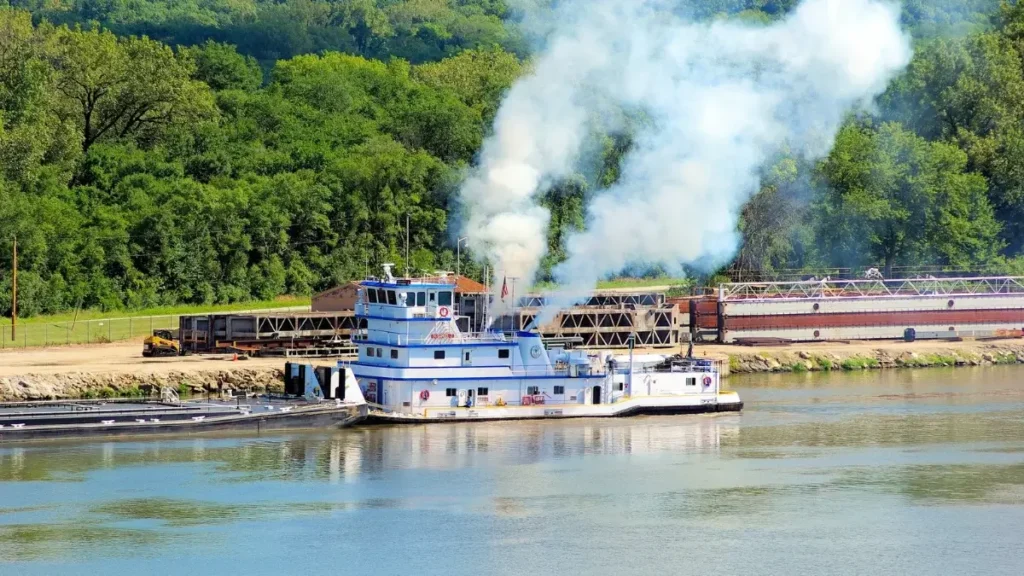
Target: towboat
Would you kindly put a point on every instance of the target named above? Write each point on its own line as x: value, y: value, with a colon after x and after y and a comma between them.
x: 415, y: 365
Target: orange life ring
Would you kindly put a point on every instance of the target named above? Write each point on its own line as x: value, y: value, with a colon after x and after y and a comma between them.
x: 707, y: 380
x: 443, y: 311
x: 424, y: 394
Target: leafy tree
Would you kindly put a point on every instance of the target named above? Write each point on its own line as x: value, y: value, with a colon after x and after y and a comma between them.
x: 908, y: 200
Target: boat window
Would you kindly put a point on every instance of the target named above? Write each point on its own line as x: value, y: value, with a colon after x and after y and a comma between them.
x: 438, y: 354
x: 410, y: 298
x: 619, y: 387
x: 421, y: 298
x: 381, y: 298
x: 372, y: 295
x: 531, y: 390
x: 467, y: 356
x: 444, y: 298
x: 503, y: 353
x: 449, y: 392
x: 481, y: 391
x: 391, y: 297
x: 394, y: 353
x: 559, y: 389
x: 379, y: 353
x: 433, y: 296
x: 691, y: 381
x: 369, y: 351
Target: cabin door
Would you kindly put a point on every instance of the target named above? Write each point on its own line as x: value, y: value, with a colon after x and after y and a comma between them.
x: 597, y: 395
x: 467, y: 356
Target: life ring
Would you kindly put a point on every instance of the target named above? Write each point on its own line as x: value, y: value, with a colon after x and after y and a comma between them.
x: 443, y: 312
x: 707, y: 380
x: 424, y: 394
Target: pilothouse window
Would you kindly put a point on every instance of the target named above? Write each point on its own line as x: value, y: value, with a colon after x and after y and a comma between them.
x: 372, y: 295
x: 444, y: 298
x: 531, y: 390
x: 410, y: 299
x: 391, y: 297
x: 421, y: 298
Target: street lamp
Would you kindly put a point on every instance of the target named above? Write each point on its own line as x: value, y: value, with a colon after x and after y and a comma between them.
x: 458, y: 256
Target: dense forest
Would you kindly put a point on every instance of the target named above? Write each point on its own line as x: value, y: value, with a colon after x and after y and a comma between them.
x: 200, y: 151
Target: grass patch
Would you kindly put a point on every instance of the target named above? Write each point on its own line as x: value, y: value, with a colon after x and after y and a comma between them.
x: 184, y: 389
x: 734, y: 364
x: 183, y: 309
x: 798, y: 367
x: 824, y: 363
x: 108, y: 392
x: 133, y: 392
x: 1005, y: 358
x: 859, y: 363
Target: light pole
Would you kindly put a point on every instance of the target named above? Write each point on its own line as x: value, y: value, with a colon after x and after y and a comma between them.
x: 458, y: 256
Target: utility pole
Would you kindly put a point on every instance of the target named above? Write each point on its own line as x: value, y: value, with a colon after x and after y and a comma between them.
x: 14, y: 292
x: 407, y: 245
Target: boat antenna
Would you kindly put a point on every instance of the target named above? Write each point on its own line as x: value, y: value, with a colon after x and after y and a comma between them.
x: 407, y: 245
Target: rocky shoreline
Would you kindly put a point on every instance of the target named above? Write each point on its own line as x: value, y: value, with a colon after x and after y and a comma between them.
x: 835, y: 358
x: 121, y: 385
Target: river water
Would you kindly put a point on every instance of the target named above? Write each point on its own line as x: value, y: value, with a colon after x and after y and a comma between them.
x: 899, y: 472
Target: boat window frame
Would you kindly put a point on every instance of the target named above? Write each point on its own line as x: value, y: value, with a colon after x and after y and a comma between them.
x: 691, y: 381
x: 371, y: 295
x: 451, y: 392
x: 504, y: 353
x: 392, y: 300
x: 369, y: 351
x: 421, y: 298
x: 394, y: 353
x: 380, y: 353
x: 439, y: 355
x: 535, y: 390
x: 482, y: 391
x: 444, y: 295
x: 410, y: 299
x: 559, y: 390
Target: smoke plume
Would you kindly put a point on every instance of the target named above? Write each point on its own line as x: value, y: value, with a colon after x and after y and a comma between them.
x: 720, y: 99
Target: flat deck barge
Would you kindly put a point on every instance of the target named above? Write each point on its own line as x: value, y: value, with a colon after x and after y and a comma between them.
x: 79, y: 418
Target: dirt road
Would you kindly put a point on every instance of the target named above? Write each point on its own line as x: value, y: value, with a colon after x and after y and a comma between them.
x: 115, y: 358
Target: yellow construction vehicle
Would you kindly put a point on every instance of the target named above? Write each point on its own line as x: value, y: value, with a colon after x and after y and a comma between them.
x: 161, y: 343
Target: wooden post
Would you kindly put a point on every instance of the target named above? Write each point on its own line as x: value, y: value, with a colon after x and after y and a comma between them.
x: 14, y: 293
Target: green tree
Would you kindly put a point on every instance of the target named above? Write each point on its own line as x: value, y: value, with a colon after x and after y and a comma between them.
x: 903, y: 200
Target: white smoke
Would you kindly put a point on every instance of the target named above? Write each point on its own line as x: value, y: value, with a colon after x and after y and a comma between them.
x: 721, y: 99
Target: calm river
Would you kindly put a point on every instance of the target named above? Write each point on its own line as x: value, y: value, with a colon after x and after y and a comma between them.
x: 902, y: 472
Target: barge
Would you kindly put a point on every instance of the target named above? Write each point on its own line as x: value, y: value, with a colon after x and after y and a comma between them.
x: 314, y: 408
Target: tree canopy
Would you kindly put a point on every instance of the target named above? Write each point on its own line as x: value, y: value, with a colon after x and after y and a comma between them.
x: 156, y: 152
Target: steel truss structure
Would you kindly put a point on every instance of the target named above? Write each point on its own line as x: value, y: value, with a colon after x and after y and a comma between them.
x: 871, y: 288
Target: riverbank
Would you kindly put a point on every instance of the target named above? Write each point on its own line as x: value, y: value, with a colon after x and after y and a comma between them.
x: 119, y: 370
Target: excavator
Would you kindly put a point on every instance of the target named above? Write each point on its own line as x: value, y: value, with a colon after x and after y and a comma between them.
x: 161, y: 343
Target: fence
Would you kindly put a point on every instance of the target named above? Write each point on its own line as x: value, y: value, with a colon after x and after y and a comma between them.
x: 101, y: 330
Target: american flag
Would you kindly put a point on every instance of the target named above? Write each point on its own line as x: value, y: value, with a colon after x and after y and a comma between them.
x: 504, y: 288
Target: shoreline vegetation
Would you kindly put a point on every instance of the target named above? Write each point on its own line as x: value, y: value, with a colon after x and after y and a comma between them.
x: 126, y: 375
